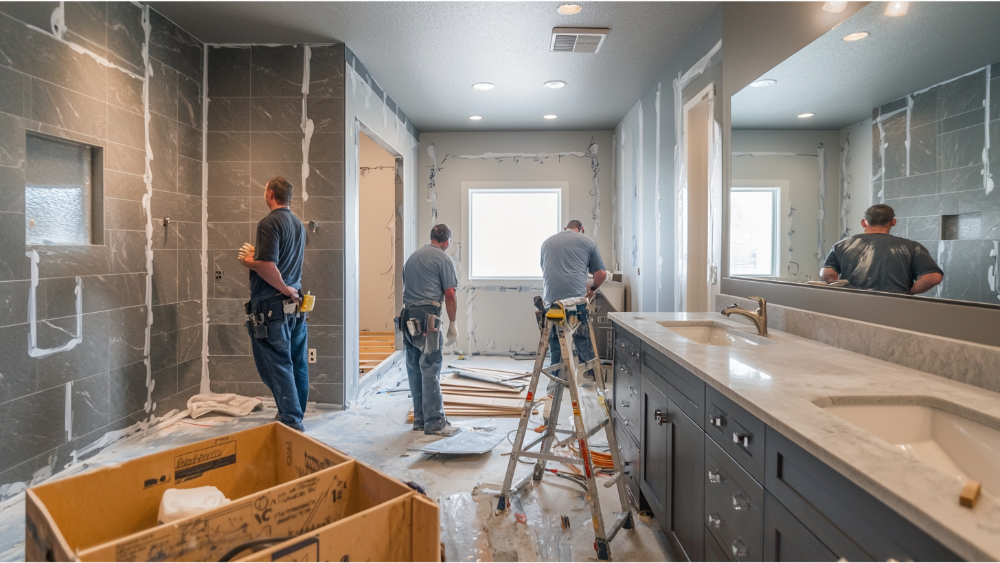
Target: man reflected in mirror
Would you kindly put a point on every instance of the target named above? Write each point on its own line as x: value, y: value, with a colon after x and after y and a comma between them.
x: 878, y: 261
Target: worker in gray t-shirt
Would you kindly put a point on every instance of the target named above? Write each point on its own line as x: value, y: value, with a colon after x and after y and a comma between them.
x: 878, y: 261
x: 567, y: 258
x: 428, y: 280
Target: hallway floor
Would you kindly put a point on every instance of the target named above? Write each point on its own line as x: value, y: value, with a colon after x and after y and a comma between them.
x: 376, y: 432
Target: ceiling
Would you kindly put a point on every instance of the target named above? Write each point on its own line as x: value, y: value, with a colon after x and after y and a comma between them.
x: 841, y: 82
x: 427, y: 55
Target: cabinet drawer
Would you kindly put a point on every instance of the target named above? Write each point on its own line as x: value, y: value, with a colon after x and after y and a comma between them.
x: 627, y: 395
x: 685, y: 389
x: 851, y: 522
x: 739, y: 433
x: 787, y: 539
x: 627, y: 348
x: 628, y: 450
x: 734, y: 505
x: 714, y: 551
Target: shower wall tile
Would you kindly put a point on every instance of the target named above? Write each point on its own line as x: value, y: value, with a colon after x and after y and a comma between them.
x: 189, y: 102
x: 12, y: 89
x: 234, y: 368
x: 276, y: 114
x: 227, y: 147
x: 189, y: 142
x: 124, y: 91
x: 278, y: 147
x: 229, y: 114
x: 276, y: 71
x: 125, y: 35
x: 326, y: 179
x: 175, y: 47
x: 27, y: 429
x: 91, y: 404
x: 88, y: 25
x: 228, y: 178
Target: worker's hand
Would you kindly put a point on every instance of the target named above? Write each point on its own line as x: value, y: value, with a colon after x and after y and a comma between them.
x: 246, y: 251
x: 591, y: 293
x: 452, y: 336
x: 292, y: 293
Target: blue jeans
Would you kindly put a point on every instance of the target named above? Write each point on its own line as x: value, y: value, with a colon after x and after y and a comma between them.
x: 581, y: 343
x: 424, y: 372
x: 282, y: 360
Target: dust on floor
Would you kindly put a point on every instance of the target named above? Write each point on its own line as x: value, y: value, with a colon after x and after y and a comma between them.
x: 376, y: 432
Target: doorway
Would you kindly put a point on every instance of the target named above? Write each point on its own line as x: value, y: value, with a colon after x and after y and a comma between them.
x: 699, y: 138
x: 380, y: 253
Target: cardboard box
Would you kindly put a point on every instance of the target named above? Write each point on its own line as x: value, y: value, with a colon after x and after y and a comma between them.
x: 281, y: 482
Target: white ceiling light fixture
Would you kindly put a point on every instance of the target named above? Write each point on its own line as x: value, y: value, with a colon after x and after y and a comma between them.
x: 555, y: 84
x: 569, y: 9
x: 483, y: 86
x: 475, y: 117
x: 550, y: 116
x: 835, y: 7
x: 896, y: 9
x: 857, y: 36
x: 763, y: 83
x: 578, y: 39
x: 806, y: 115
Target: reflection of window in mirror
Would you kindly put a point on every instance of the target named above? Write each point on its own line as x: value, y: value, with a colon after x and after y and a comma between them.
x: 753, y: 231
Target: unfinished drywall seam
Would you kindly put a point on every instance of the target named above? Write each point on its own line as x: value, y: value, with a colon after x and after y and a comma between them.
x: 821, y: 212
x: 884, y: 145
x: 432, y: 183
x: 909, y: 113
x: 307, y: 124
x: 205, y: 385
x: 715, y: 202
x: 987, y: 176
x: 845, y: 196
x: 656, y: 199
x: 33, y: 350
x: 146, y: 207
x: 615, y: 229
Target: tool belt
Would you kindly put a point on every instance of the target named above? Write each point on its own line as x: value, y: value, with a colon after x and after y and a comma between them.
x: 262, y: 312
x: 424, y: 332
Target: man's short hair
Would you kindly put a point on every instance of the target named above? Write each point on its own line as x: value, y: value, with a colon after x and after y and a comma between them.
x: 574, y: 224
x: 440, y: 233
x: 879, y: 215
x: 281, y: 188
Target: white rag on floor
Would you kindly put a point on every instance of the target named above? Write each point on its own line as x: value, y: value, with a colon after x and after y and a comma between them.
x: 226, y: 403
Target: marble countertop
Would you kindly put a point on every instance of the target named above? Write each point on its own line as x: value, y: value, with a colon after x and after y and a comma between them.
x: 779, y: 385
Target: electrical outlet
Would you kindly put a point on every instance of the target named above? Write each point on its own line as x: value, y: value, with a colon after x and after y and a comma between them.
x: 218, y: 275
x: 312, y: 355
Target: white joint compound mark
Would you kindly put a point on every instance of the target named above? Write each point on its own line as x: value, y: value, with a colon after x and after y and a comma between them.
x: 33, y: 350
x: 656, y: 205
x: 845, y: 181
x: 991, y: 275
x: 307, y: 124
x: 987, y: 176
x: 821, y: 212
x: 470, y: 324
x: 906, y: 144
x: 58, y: 21
x: 432, y: 183
x: 68, y: 415
x: 205, y: 384
x: 148, y: 177
x: 884, y: 145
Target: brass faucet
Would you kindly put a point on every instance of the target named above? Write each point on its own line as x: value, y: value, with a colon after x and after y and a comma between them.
x: 759, y: 317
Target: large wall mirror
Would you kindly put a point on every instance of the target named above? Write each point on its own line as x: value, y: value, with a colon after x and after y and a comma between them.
x: 902, y: 111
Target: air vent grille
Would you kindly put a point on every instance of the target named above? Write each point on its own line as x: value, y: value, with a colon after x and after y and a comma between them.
x: 578, y: 39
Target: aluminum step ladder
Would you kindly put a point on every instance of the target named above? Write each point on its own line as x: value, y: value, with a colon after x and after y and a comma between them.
x: 563, y: 317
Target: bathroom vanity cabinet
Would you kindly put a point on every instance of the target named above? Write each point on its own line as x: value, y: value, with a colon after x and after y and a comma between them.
x: 724, y: 486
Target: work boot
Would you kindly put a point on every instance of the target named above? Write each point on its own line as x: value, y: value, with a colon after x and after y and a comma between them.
x: 418, y: 426
x: 446, y: 430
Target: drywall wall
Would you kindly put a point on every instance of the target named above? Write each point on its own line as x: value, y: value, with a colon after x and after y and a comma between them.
x: 118, y: 76
x: 855, y: 176
x: 499, y: 317
x: 793, y: 158
x: 274, y: 111
x: 649, y: 192
x: 369, y: 108
x: 377, y: 236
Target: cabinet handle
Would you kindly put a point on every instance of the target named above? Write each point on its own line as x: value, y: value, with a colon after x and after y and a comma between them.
x: 740, y: 502
x: 633, y: 391
x: 660, y: 417
x: 715, y: 476
x: 741, y: 439
x: 739, y: 548
x: 717, y: 421
x: 714, y: 520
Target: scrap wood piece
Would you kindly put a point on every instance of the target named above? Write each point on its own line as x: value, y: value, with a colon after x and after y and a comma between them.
x: 457, y: 381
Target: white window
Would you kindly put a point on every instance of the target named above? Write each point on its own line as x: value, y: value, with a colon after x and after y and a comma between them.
x: 753, y: 232
x: 507, y: 228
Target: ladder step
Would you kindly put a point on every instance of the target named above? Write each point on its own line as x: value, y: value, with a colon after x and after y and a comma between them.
x: 552, y: 457
x: 622, y: 519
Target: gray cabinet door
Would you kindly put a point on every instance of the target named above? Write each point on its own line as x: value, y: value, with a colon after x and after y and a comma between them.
x: 654, y: 452
x: 687, y: 483
x: 786, y: 539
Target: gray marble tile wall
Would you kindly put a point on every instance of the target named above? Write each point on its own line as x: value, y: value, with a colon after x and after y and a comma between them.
x: 254, y: 133
x: 947, y: 127
x: 965, y: 362
x: 47, y: 87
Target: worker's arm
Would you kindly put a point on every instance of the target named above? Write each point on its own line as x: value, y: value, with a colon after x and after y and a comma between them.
x: 600, y: 276
x: 829, y: 275
x: 926, y: 282
x: 269, y: 272
x: 451, y: 303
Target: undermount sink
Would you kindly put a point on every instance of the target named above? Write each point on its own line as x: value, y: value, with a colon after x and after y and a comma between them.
x: 958, y: 446
x: 713, y: 333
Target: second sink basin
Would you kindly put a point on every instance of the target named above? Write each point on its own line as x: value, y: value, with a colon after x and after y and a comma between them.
x: 713, y: 333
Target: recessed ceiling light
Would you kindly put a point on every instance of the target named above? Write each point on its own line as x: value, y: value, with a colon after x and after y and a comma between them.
x: 550, y: 116
x: 475, y: 117
x: 835, y: 7
x: 857, y: 36
x: 896, y: 9
x: 554, y: 84
x: 569, y: 9
x: 805, y: 115
x: 763, y: 83
x: 483, y: 86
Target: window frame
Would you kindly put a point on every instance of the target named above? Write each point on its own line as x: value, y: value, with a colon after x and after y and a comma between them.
x: 778, y: 260
x: 464, y: 253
